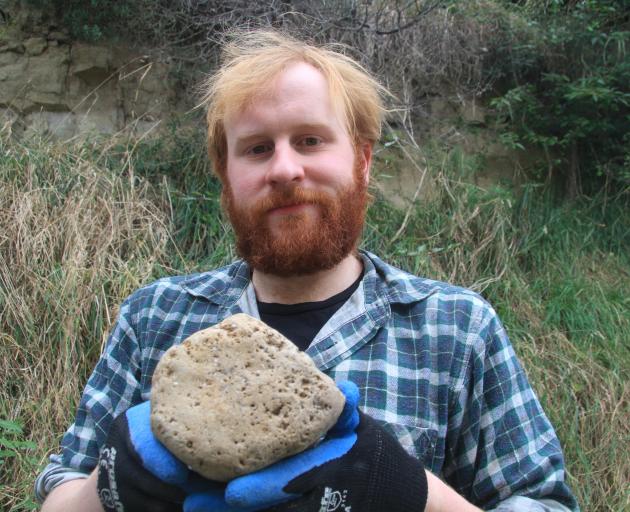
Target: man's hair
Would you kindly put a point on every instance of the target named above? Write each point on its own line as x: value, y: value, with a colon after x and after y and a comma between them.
x: 252, y: 60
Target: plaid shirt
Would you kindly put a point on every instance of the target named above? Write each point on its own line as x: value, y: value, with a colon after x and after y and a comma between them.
x: 432, y: 362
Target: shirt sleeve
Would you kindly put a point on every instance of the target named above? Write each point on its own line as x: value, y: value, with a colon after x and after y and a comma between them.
x: 54, y: 474
x: 503, y: 453
x: 523, y: 504
x: 111, y: 389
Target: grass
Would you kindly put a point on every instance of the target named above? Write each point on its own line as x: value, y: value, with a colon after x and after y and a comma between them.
x: 82, y: 225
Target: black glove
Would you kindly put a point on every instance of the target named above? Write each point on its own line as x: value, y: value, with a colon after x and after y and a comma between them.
x: 362, y: 468
x: 376, y: 475
x: 124, y: 482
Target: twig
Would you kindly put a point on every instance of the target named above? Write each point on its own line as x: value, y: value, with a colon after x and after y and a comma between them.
x: 410, y: 208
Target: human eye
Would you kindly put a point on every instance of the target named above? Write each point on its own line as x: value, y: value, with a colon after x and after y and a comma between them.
x: 310, y: 141
x: 259, y: 149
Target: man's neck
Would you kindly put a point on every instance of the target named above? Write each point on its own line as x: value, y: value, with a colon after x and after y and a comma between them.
x: 307, y: 288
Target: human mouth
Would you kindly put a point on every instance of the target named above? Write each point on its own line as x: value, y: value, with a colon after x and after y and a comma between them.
x: 288, y: 209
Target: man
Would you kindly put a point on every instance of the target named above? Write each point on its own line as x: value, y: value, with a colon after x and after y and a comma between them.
x: 291, y: 132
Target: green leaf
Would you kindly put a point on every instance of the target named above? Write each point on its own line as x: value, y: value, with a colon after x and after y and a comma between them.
x: 10, y: 426
x: 8, y: 443
x: 24, y: 445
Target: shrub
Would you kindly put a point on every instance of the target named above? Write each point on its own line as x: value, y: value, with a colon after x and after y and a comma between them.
x: 90, y: 20
x: 573, y: 100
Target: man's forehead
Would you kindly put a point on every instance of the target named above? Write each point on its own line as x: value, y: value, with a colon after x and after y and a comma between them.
x: 299, y: 86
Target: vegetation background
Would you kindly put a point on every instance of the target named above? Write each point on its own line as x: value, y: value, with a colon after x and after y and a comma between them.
x: 84, y: 223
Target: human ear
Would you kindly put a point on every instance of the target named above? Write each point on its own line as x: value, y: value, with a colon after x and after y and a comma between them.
x: 364, y: 157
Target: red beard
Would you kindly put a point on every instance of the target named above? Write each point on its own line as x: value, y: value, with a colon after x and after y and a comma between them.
x: 300, y: 243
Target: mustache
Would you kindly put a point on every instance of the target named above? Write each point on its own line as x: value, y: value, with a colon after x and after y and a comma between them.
x: 289, y: 197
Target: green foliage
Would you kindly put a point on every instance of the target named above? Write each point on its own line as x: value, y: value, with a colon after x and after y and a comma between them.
x: 573, y: 98
x: 15, y: 446
x: 573, y: 243
x: 89, y: 20
x: 12, y: 443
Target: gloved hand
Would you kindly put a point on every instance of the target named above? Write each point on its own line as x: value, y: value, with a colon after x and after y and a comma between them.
x: 137, y: 473
x: 268, y: 489
x: 358, y: 466
x: 374, y: 475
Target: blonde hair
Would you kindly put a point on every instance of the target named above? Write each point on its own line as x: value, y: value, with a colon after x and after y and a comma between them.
x: 252, y: 60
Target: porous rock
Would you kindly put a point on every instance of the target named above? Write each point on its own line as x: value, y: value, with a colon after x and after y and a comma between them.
x: 239, y: 396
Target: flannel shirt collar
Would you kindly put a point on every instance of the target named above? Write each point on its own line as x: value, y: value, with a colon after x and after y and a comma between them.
x: 223, y: 286
x: 369, y: 309
x: 350, y: 327
x: 381, y: 282
x: 393, y: 284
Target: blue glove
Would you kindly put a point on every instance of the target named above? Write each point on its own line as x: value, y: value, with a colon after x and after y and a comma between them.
x: 137, y: 473
x: 265, y: 488
x: 359, y: 466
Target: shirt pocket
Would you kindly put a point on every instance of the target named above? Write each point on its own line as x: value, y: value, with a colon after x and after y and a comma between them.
x: 418, y: 442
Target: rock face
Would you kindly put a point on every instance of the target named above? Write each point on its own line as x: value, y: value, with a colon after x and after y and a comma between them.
x: 239, y: 396
x: 51, y: 85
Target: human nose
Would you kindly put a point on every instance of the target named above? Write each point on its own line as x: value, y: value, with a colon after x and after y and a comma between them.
x: 284, y: 166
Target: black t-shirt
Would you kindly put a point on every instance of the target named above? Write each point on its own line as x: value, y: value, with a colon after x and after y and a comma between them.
x: 301, y: 322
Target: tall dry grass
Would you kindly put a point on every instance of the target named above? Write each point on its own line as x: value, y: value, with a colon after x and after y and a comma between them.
x: 84, y: 224
x: 75, y: 238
